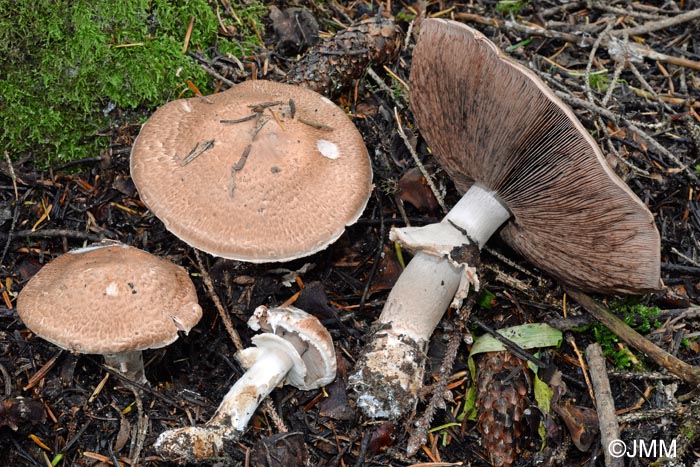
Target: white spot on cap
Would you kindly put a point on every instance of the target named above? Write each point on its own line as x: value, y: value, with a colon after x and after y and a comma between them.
x: 186, y: 106
x: 326, y: 100
x: 328, y: 149
x: 112, y: 289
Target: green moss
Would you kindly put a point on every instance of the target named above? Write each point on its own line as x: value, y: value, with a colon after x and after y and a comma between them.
x: 599, y: 80
x: 511, y: 7
x: 67, y: 63
x: 638, y: 317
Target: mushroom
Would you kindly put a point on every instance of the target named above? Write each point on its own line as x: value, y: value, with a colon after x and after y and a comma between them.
x: 293, y: 349
x: 526, y: 165
x: 110, y: 299
x: 261, y: 172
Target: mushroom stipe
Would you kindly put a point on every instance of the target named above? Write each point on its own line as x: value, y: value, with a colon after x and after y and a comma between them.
x: 525, y: 165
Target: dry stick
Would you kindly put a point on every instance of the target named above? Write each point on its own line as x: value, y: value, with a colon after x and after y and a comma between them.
x: 688, y: 259
x: 419, y: 435
x: 7, y: 380
x: 420, y: 165
x: 591, y: 57
x: 48, y: 233
x: 384, y: 87
x: 141, y: 428
x: 607, y: 418
x: 576, y: 39
x: 659, y: 25
x: 626, y: 12
x: 225, y: 318
x: 659, y: 412
x: 686, y: 372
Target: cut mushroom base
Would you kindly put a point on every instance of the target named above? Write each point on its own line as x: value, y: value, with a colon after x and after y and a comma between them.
x: 295, y: 349
x: 526, y: 165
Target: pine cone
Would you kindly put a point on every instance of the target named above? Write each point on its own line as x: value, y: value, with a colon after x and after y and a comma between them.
x: 501, y: 398
x: 333, y: 64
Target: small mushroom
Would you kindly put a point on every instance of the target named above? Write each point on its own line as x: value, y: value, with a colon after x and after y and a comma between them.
x: 110, y: 299
x: 293, y: 349
x: 261, y: 172
x: 526, y: 165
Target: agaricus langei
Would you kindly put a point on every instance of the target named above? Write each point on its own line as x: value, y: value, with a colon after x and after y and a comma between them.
x: 293, y: 349
x: 262, y: 172
x: 110, y: 299
x: 526, y: 165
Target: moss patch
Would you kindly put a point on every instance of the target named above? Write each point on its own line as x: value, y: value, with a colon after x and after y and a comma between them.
x: 67, y: 64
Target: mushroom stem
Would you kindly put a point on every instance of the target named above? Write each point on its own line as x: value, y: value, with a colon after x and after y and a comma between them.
x: 266, y: 373
x: 130, y: 364
x: 390, y: 370
x: 267, y: 366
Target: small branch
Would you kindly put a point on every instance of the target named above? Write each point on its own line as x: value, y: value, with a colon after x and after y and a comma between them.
x: 225, y: 318
x: 686, y: 372
x: 581, y: 40
x: 48, y: 233
x: 419, y: 434
x: 416, y: 159
x: 607, y: 418
x: 659, y: 25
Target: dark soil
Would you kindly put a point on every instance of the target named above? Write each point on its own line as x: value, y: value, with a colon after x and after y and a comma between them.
x: 90, y: 414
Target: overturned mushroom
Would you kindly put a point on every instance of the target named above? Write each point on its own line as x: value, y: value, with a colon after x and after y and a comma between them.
x: 110, y: 299
x: 294, y: 349
x: 523, y: 162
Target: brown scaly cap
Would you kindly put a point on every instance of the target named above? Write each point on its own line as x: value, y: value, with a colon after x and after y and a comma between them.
x: 278, y: 186
x: 109, y: 299
x: 490, y: 120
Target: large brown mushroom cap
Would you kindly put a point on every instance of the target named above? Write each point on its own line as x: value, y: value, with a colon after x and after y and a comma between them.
x: 259, y: 193
x: 492, y: 121
x: 109, y: 299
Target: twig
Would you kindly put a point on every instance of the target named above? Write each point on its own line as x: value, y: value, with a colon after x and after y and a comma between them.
x: 581, y: 40
x: 13, y: 176
x: 659, y: 25
x: 235, y: 168
x: 212, y: 72
x: 141, y: 429
x: 6, y: 379
x: 48, y: 233
x: 626, y: 12
x: 419, y: 164
x: 225, y: 318
x: 419, y: 435
x: 15, y: 214
x: 241, y: 120
x: 591, y: 57
x: 384, y: 87
x: 198, y: 150
x: 318, y: 126
x: 650, y: 414
x: 686, y: 372
x: 688, y: 259
x: 607, y: 418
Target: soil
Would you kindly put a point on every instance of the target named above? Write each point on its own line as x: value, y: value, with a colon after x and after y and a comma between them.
x: 72, y: 410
